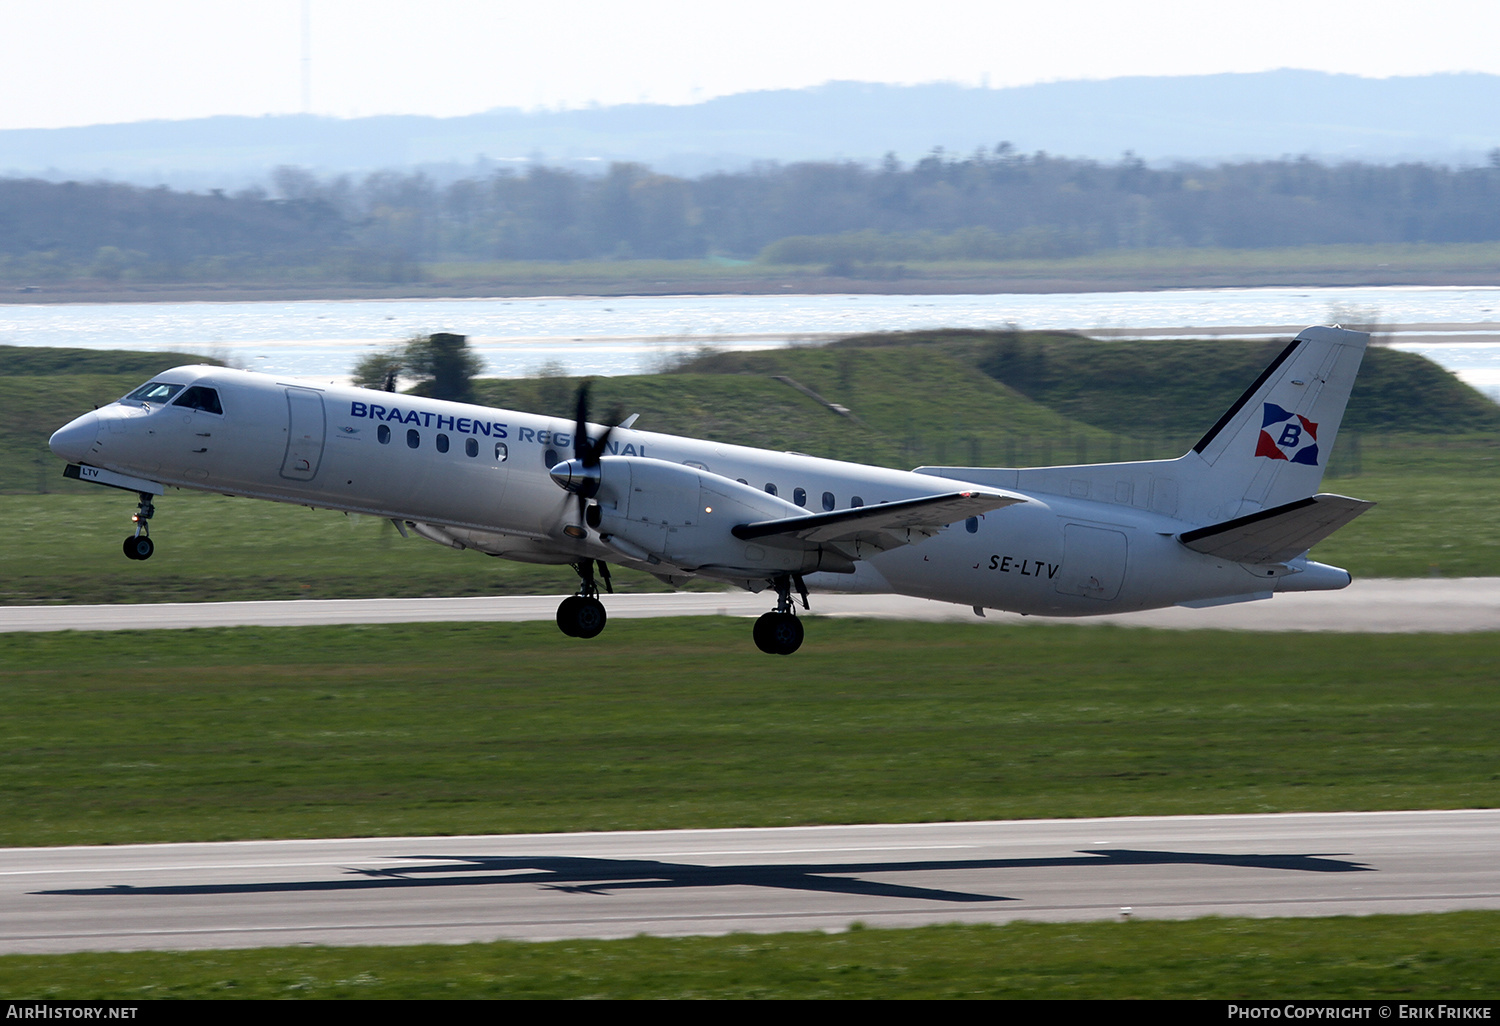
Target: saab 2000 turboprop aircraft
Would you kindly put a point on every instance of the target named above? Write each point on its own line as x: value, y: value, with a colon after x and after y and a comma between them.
x: 1232, y: 520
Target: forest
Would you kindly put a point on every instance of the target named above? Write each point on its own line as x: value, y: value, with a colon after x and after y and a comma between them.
x: 993, y: 204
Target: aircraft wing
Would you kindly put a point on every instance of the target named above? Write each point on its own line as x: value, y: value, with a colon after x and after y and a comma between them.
x: 1277, y: 534
x: 879, y: 527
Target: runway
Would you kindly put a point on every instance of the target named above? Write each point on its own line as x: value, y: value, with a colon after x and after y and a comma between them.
x: 552, y: 886
x: 1421, y: 604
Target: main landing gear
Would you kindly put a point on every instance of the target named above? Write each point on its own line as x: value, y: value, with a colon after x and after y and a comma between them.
x: 780, y: 632
x: 582, y: 615
x: 138, y: 545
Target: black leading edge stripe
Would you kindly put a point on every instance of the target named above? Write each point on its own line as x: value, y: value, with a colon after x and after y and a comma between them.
x: 1244, y: 521
x: 1240, y: 403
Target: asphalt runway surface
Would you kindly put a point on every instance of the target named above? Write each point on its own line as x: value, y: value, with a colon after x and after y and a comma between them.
x: 552, y: 886
x: 1422, y: 604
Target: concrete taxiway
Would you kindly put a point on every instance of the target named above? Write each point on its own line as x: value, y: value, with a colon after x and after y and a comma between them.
x: 1424, y: 604
x: 549, y: 886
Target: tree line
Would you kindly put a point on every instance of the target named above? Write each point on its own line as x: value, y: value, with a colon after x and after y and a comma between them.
x: 992, y: 204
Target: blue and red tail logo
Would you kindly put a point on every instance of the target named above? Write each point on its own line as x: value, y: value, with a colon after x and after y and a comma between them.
x: 1287, y: 436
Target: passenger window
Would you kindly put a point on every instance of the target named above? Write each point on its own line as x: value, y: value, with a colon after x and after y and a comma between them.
x: 770, y: 488
x: 200, y: 398
x: 549, y: 458
x: 855, y: 502
x: 442, y: 443
x: 501, y: 452
x: 413, y: 438
x: 742, y: 481
x: 972, y: 525
x: 799, y: 496
x: 471, y: 447
x: 828, y: 500
x: 383, y: 433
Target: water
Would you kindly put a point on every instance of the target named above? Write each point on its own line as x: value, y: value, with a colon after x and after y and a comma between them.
x: 1457, y: 327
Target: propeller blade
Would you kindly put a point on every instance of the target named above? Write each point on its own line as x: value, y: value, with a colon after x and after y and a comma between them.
x: 586, y: 450
x: 597, y: 450
x: 581, y: 425
x: 582, y: 451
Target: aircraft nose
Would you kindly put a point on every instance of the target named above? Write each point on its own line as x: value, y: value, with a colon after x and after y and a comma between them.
x: 74, y: 440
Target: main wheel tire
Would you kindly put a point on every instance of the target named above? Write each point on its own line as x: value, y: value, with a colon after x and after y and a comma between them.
x: 778, y: 633
x: 580, y: 617
x: 138, y: 547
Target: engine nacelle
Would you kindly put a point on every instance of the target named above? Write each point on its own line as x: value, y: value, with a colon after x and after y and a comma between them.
x: 659, y: 512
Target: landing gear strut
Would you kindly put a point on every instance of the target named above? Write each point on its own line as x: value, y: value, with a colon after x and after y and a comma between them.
x: 582, y: 615
x: 138, y: 545
x: 780, y: 632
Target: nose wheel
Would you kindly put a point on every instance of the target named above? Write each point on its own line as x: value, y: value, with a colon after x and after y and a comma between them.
x: 780, y: 632
x: 139, y: 545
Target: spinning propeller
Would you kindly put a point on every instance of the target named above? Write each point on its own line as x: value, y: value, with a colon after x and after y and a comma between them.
x: 580, y: 475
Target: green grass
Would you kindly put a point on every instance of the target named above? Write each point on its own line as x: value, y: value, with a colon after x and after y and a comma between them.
x: 914, y: 404
x: 1166, y: 267
x: 644, y: 272
x: 1450, y: 957
x: 1157, y: 267
x: 1439, y: 512
x: 1163, y: 267
x: 474, y: 728
x: 32, y: 407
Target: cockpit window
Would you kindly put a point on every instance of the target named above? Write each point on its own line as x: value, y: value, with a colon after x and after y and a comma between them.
x: 200, y: 397
x: 155, y: 392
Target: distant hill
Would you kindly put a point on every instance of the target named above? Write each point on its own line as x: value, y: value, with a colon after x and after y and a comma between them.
x: 1137, y: 389
x: 1451, y: 118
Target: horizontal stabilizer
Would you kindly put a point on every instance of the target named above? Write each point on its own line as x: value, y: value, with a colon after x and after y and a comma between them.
x: 1278, y: 534
x: 883, y: 526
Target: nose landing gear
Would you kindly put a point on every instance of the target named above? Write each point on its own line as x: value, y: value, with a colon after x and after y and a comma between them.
x: 780, y: 632
x: 139, y: 545
x: 582, y: 615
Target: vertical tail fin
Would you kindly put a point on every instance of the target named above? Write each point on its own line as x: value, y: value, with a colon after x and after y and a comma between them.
x: 1269, y: 448
x: 1272, y: 446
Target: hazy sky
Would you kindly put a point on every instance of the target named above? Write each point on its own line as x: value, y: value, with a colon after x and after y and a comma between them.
x: 77, y: 62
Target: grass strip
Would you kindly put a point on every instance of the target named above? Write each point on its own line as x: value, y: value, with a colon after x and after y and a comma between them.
x: 477, y: 728
x: 1450, y: 956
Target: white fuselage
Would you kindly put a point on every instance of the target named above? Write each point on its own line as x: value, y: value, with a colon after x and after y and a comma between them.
x: 475, y: 477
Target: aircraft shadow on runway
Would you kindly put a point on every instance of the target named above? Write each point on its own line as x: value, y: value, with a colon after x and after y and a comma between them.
x: 600, y: 876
